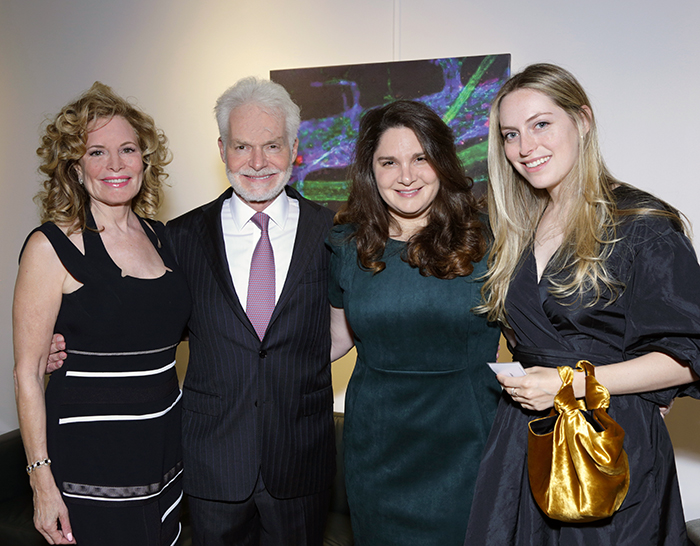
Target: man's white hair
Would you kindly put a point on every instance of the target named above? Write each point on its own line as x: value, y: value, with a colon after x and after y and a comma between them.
x: 270, y: 96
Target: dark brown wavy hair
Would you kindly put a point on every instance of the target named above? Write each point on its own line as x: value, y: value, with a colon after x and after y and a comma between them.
x: 63, y: 200
x: 454, y: 236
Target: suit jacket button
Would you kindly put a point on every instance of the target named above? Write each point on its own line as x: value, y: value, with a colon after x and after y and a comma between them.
x: 262, y: 354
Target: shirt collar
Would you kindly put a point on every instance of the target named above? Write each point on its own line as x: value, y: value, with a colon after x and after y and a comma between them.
x: 278, y: 211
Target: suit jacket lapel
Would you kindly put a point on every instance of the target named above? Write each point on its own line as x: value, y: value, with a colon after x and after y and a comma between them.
x: 310, y: 229
x: 212, y: 239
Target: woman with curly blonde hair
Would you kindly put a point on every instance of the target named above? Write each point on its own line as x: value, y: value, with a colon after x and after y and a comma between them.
x: 63, y: 198
x: 103, y: 442
x: 582, y: 267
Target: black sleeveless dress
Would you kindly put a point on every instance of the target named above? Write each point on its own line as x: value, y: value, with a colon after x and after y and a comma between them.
x: 113, y: 409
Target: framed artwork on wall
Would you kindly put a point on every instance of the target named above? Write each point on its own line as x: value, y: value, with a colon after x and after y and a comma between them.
x: 333, y: 98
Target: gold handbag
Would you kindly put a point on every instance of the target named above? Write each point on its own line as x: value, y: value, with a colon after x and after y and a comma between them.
x: 577, y: 466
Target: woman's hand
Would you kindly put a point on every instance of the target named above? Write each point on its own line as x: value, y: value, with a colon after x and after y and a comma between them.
x: 50, y: 510
x: 649, y: 372
x: 665, y: 410
x: 534, y: 391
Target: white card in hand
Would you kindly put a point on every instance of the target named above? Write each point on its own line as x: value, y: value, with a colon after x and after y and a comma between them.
x: 511, y: 369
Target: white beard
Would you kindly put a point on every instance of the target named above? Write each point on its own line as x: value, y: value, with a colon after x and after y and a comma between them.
x: 258, y: 195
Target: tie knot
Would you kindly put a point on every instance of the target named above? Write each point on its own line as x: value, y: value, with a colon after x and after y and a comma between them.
x: 261, y: 220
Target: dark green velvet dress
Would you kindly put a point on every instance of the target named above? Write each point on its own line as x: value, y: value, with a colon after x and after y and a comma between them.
x: 421, y: 399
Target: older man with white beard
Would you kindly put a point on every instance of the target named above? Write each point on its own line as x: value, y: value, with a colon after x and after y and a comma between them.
x: 257, y: 400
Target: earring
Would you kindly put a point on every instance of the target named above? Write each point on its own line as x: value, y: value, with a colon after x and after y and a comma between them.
x: 80, y: 180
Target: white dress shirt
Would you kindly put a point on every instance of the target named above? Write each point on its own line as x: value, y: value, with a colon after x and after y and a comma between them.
x: 241, y: 235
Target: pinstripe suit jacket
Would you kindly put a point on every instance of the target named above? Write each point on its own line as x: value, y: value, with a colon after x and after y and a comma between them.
x: 250, y: 405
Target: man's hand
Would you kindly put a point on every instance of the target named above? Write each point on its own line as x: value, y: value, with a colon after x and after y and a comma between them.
x: 56, y: 353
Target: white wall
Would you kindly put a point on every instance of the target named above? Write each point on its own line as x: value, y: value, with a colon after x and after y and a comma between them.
x: 637, y: 59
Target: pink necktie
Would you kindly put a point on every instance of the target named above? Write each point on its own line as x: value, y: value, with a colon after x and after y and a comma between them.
x: 261, y: 285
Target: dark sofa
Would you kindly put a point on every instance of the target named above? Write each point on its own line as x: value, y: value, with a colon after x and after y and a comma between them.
x: 16, y: 511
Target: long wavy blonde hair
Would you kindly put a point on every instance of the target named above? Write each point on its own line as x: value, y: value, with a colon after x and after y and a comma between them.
x: 63, y: 199
x: 515, y: 207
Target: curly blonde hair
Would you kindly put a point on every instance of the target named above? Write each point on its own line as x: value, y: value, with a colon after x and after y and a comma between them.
x: 63, y: 199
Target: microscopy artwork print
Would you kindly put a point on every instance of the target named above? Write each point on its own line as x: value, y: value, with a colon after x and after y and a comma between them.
x: 333, y: 98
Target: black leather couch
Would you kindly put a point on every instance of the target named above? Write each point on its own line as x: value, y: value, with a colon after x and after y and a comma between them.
x: 16, y: 510
x: 694, y: 531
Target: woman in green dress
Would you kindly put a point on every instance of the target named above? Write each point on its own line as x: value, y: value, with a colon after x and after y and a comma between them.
x: 406, y: 270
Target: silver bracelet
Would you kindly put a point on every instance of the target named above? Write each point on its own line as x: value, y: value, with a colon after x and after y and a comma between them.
x: 37, y: 464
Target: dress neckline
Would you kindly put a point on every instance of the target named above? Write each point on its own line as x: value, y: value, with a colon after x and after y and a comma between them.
x: 150, y: 234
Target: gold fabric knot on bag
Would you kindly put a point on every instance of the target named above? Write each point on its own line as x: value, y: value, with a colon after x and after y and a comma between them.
x: 577, y: 466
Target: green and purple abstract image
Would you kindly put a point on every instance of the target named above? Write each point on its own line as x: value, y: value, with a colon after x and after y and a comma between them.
x: 332, y: 100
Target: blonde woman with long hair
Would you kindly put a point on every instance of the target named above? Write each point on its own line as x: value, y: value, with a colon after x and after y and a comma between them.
x: 582, y: 266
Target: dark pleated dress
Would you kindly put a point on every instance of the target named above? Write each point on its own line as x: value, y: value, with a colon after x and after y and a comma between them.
x: 113, y: 409
x: 658, y: 310
x: 420, y: 401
